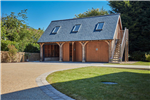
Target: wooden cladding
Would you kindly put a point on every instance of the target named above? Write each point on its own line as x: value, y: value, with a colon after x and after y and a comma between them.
x: 66, y: 52
x: 72, y: 52
x: 51, y: 51
x: 78, y: 51
x: 97, y: 51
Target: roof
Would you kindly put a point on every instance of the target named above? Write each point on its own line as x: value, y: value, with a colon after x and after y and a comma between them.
x: 86, y: 32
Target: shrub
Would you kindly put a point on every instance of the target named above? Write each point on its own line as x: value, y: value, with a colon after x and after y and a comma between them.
x: 138, y: 56
x: 32, y: 47
x: 147, y: 56
x: 12, y: 53
x: 5, y: 43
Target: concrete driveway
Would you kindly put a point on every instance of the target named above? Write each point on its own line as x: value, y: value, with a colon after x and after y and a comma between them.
x: 18, y: 80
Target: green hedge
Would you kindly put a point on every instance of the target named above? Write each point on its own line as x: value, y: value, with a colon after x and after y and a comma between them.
x: 21, y: 46
x: 32, y: 47
x: 147, y: 55
x: 138, y: 56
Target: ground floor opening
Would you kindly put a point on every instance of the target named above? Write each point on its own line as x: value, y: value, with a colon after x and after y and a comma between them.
x: 51, y: 52
x: 95, y: 51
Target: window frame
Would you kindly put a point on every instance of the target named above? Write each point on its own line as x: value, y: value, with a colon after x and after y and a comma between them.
x: 55, y: 28
x: 75, y: 27
x: 98, y: 25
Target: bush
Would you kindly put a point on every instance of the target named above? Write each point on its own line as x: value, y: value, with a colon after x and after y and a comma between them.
x: 32, y: 47
x: 147, y: 56
x: 12, y: 53
x: 5, y: 43
x: 21, y: 46
x: 138, y: 56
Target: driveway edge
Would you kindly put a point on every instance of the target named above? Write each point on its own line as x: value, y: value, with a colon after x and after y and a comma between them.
x: 49, y: 89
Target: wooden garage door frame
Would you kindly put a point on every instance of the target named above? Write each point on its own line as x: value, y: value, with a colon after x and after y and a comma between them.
x: 97, y: 51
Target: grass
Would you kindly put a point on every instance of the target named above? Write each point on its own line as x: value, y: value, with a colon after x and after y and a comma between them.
x: 137, y: 63
x: 85, y: 83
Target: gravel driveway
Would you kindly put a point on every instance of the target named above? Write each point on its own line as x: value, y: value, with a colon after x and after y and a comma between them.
x: 18, y: 80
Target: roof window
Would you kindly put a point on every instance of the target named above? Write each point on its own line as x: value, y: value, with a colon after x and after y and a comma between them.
x: 99, y: 26
x: 56, y: 29
x: 76, y: 28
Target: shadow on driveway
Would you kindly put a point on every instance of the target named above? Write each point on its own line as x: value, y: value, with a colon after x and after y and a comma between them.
x: 27, y: 94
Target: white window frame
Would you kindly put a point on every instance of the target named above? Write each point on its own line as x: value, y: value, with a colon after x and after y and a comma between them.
x: 55, y: 28
x: 98, y: 25
x: 75, y: 27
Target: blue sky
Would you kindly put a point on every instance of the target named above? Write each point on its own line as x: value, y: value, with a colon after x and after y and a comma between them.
x: 41, y: 13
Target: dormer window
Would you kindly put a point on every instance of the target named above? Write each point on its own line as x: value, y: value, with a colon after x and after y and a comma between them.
x: 56, y: 29
x: 100, y: 26
x: 76, y: 28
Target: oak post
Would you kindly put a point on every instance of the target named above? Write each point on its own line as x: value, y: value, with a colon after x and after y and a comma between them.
x: 60, y: 50
x: 83, y: 50
x: 109, y: 50
x: 127, y: 47
x: 41, y: 51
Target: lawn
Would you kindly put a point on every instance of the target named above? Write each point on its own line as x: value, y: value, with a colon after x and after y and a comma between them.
x: 86, y: 83
x: 137, y: 63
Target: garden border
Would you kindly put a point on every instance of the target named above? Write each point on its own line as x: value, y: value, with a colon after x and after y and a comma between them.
x: 57, y: 95
x: 49, y: 89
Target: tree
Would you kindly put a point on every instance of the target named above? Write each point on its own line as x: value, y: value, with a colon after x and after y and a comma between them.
x: 136, y: 17
x: 92, y: 12
x: 15, y: 32
x: 2, y: 31
x: 12, y: 25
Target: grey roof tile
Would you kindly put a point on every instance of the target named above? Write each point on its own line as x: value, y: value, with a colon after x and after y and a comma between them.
x: 86, y: 32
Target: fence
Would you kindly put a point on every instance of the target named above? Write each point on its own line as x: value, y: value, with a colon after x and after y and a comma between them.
x: 20, y: 56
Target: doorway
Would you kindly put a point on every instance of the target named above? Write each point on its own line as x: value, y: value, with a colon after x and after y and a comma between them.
x: 70, y: 51
x: 51, y: 52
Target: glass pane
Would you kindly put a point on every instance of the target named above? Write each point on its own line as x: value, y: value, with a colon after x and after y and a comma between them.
x: 100, y: 26
x: 56, y: 29
x: 76, y: 28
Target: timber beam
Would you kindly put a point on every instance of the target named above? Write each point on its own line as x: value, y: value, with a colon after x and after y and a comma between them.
x: 83, y: 49
x: 41, y: 51
x: 60, y: 50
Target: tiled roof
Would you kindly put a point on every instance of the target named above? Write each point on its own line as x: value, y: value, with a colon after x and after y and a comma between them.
x: 86, y: 32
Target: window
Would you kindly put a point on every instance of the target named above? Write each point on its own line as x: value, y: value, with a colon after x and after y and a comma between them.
x: 55, y: 30
x: 76, y: 28
x: 99, y: 26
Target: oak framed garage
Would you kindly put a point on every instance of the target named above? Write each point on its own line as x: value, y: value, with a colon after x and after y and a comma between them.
x: 90, y: 39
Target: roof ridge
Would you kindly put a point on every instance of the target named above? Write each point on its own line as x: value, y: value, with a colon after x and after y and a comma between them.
x: 86, y: 17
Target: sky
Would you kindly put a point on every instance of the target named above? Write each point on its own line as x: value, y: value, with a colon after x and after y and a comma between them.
x: 41, y: 13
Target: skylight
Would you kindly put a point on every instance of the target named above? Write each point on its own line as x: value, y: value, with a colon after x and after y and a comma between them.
x: 55, y: 30
x: 100, y: 26
x: 76, y: 28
